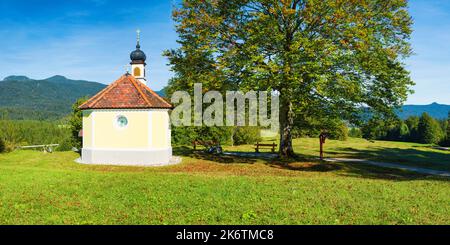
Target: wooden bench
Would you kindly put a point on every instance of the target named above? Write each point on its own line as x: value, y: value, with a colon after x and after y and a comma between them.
x: 204, y: 143
x: 259, y: 146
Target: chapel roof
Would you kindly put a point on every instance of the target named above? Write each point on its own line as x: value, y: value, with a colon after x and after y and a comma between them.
x: 126, y: 93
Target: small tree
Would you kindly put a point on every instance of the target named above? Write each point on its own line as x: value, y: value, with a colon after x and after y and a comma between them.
x: 403, y: 131
x: 399, y: 131
x: 76, y: 122
x: 429, y: 131
x: 447, y: 137
x: 374, y: 129
x: 355, y: 132
x: 448, y: 125
x: 413, y: 126
x: 338, y: 131
x: 446, y: 140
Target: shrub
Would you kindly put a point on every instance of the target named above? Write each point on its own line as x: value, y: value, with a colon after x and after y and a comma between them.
x: 445, y: 142
x: 65, y: 145
x: 355, y: 133
x: 339, y: 132
x: 429, y: 130
x: 375, y: 128
x: 403, y: 131
x: 246, y: 135
x: 302, y: 133
x: 185, y: 135
x: 2, y: 145
x: 76, y: 122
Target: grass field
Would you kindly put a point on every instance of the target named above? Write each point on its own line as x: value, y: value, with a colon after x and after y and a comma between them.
x: 38, y: 188
x: 404, y: 153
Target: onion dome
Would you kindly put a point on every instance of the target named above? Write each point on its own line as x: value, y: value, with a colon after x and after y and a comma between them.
x: 138, y: 56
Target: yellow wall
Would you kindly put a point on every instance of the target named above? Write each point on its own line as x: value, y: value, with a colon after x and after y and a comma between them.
x: 87, y: 129
x: 101, y: 131
x: 160, y: 126
x: 107, y: 134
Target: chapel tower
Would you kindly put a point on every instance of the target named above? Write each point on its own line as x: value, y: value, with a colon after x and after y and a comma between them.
x: 137, y: 63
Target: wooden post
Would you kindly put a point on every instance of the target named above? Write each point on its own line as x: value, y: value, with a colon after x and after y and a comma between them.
x: 322, y: 138
x: 257, y: 146
x: 321, y: 149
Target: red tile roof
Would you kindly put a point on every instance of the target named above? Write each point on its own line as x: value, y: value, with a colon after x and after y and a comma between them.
x: 126, y: 93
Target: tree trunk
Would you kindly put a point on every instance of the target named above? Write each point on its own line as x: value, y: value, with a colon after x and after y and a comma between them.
x: 286, y: 123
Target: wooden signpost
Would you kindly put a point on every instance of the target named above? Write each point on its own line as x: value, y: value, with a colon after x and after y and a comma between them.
x: 322, y: 137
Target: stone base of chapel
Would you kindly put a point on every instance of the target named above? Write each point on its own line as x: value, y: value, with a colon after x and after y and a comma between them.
x: 153, y: 157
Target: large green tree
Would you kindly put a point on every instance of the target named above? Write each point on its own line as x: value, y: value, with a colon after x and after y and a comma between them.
x: 326, y: 58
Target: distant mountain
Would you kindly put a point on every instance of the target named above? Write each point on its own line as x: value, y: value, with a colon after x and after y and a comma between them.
x: 435, y: 110
x: 47, y: 99
x: 162, y: 92
x: 16, y: 78
x: 51, y: 98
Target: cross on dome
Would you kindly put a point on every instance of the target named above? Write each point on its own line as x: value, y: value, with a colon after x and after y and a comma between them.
x: 138, y: 56
x: 138, y: 32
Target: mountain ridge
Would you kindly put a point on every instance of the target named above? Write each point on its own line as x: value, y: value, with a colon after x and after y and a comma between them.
x: 51, y: 98
x: 16, y: 78
x: 435, y: 110
x: 44, y: 99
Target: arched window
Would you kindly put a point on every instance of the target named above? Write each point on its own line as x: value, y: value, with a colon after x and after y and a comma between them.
x: 137, y: 72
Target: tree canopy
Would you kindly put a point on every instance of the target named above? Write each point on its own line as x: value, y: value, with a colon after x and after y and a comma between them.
x: 76, y: 123
x: 326, y: 58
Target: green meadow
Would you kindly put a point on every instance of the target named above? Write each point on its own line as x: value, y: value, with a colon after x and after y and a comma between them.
x: 44, y: 188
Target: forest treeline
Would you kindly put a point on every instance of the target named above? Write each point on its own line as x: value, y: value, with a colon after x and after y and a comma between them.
x: 423, y: 129
x: 15, y: 133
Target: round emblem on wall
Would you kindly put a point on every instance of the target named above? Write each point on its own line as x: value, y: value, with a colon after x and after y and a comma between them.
x: 122, y: 121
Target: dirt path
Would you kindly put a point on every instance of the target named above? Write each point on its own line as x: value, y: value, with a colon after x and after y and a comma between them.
x: 392, y: 165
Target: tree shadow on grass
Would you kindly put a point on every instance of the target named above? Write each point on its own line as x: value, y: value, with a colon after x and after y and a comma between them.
x: 357, y: 170
x: 308, y: 166
x: 407, y: 157
x: 219, y: 158
x: 306, y: 163
x: 363, y: 170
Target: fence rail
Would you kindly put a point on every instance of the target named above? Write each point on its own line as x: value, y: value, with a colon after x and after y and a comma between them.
x: 46, y: 148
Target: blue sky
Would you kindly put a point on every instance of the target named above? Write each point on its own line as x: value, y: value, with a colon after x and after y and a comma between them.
x: 92, y: 39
